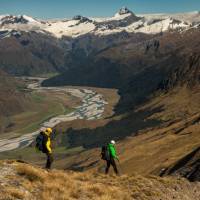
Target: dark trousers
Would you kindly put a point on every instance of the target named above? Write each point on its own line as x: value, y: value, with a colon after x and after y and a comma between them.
x: 111, y: 162
x: 49, y: 160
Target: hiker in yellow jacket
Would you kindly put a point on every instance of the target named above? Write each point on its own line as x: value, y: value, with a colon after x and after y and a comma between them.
x: 47, y: 147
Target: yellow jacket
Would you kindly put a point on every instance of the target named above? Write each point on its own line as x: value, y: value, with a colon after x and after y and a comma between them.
x: 47, y: 142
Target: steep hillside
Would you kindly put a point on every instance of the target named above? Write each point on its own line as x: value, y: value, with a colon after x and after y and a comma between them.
x: 147, y: 143
x: 189, y: 73
x: 150, y: 139
x: 23, y: 181
x: 188, y: 166
x: 138, y: 66
x: 31, y: 54
x: 11, y: 91
x: 13, y: 99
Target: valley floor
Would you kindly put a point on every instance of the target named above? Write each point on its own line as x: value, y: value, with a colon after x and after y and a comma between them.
x: 92, y: 108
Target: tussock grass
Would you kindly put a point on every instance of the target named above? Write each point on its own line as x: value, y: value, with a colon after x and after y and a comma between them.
x: 31, y: 173
x: 29, y: 182
x: 13, y: 193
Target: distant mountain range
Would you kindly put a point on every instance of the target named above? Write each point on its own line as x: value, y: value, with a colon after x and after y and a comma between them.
x: 124, y: 20
x: 30, y: 46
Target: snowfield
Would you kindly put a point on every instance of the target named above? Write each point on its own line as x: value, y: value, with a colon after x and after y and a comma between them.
x: 124, y: 20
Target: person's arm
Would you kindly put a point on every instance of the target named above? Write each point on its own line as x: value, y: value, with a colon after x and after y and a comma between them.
x: 48, y: 146
x: 113, y: 151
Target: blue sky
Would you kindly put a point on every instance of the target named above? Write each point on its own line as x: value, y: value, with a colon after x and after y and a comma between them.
x: 46, y: 9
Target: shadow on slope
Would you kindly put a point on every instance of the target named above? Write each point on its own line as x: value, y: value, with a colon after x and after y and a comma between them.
x: 117, y: 129
x: 188, y: 166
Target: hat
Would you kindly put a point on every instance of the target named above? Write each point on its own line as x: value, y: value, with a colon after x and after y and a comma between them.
x: 49, y: 130
x: 112, y: 141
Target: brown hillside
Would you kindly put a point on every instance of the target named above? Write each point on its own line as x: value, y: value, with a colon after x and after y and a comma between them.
x: 23, y: 181
x: 13, y: 99
x: 31, y: 54
x: 146, y: 150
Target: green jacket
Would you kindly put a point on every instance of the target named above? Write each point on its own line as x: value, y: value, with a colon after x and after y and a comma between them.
x: 112, y: 151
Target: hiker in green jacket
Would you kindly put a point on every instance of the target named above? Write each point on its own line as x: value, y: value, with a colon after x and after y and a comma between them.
x: 112, y: 157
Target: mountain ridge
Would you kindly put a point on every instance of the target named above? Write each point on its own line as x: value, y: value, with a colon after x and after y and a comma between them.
x: 56, y: 46
x: 147, y: 23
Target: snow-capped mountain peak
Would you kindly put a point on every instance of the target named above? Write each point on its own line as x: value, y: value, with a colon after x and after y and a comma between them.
x: 124, y: 20
x: 19, y: 19
x: 81, y: 19
x: 124, y: 10
x: 29, y: 19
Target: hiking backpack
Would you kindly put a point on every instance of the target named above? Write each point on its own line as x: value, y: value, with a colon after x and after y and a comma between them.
x: 39, y: 142
x: 105, y: 154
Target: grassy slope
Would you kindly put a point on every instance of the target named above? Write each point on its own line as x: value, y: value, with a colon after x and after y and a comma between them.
x: 42, y: 106
x: 150, y: 151
x: 146, y: 153
x: 35, y: 183
x: 156, y: 148
x: 46, y: 106
x: 13, y: 99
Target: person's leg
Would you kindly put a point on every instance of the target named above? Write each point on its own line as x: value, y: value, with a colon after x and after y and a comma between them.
x: 49, y: 160
x: 113, y: 163
x: 108, y: 166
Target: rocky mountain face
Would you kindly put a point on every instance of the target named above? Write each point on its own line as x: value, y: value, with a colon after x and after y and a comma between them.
x: 188, y: 166
x: 188, y: 74
x: 13, y: 20
x: 31, y: 54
